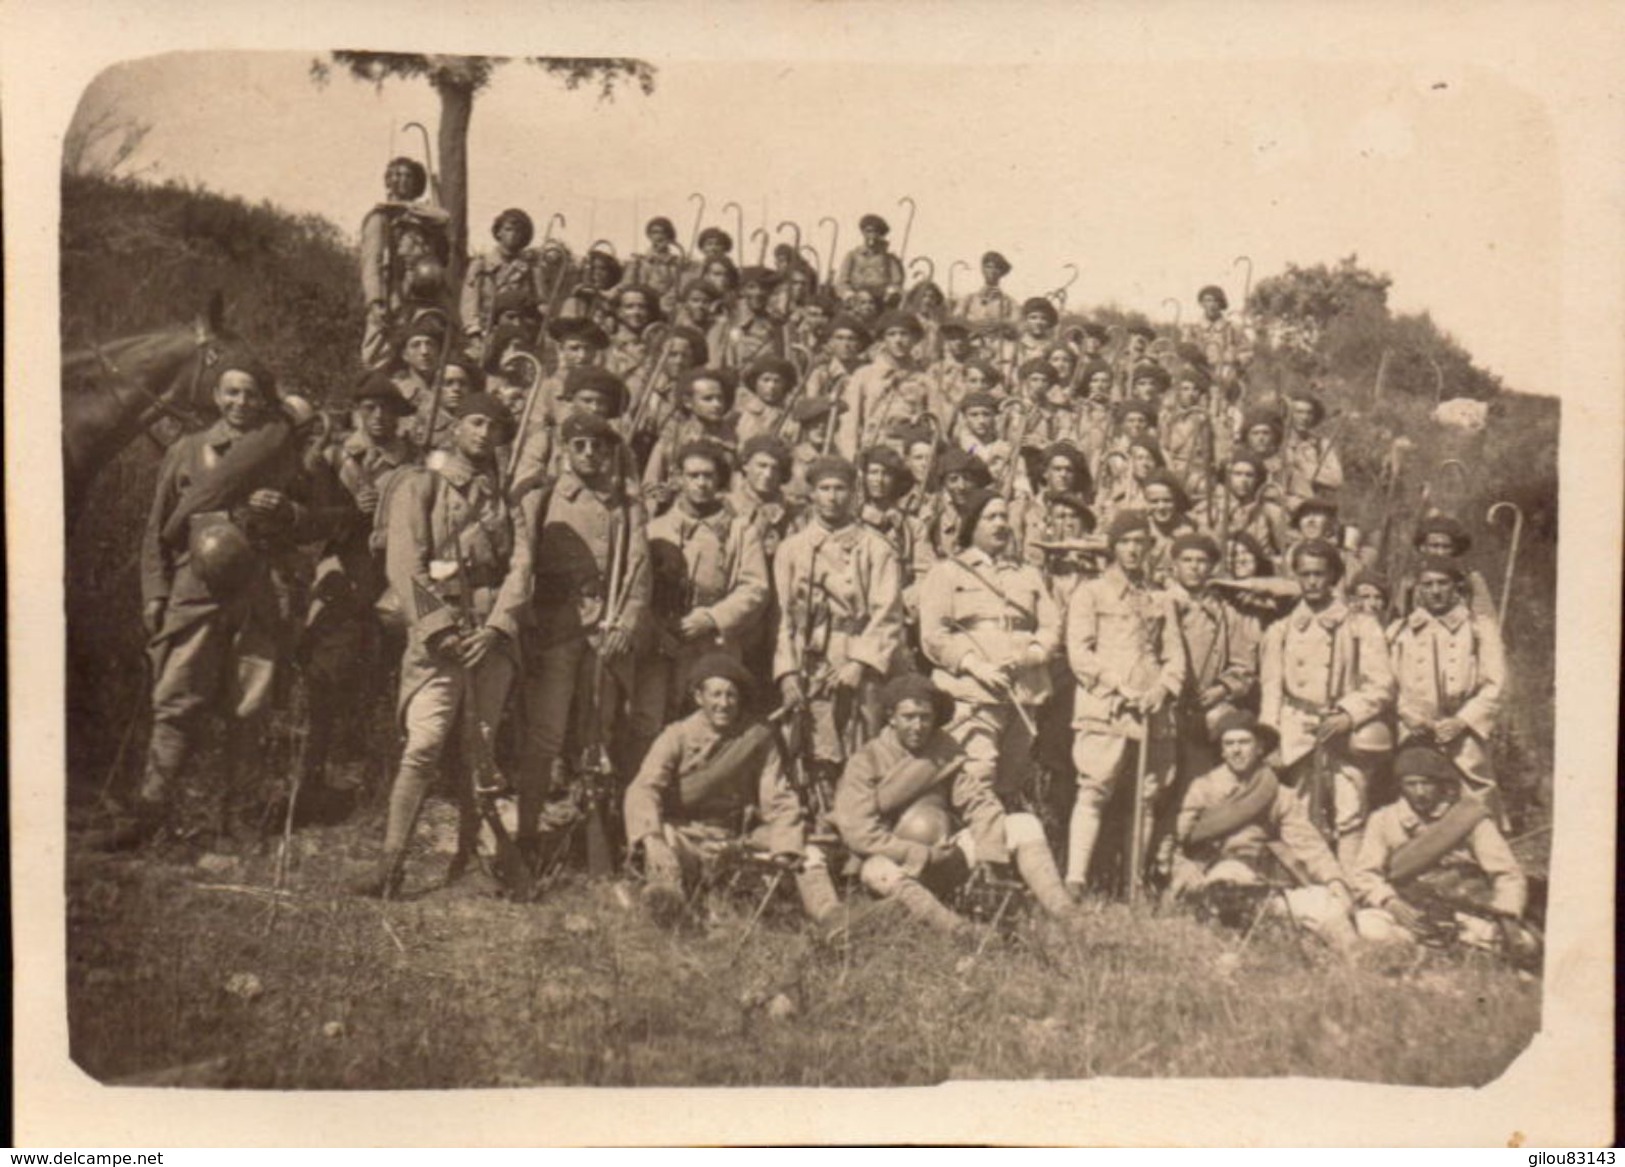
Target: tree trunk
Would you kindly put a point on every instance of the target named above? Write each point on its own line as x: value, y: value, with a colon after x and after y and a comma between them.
x: 456, y: 109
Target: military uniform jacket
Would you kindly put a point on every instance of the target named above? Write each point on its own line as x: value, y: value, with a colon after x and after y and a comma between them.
x: 493, y: 273
x: 378, y: 282
x: 753, y: 416
x: 771, y: 519
x: 1262, y: 518
x: 454, y: 556
x: 1484, y: 849
x: 1220, y: 642
x: 841, y: 595
x: 999, y: 610
x: 879, y: 271
x: 573, y: 528
x: 748, y: 339
x: 1448, y: 666
x: 1310, y: 468
x: 660, y: 270
x: 683, y: 747
x: 875, y: 394
x: 866, y: 830
x: 987, y: 306
x: 712, y: 564
x: 166, y: 572
x: 1311, y: 661
x: 1122, y: 640
x: 1284, y: 820
x: 1224, y: 345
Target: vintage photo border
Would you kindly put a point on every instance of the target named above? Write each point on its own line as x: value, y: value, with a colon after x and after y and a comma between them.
x: 1558, y: 1091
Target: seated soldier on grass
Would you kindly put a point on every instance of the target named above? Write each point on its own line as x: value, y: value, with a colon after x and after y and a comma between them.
x: 899, y: 798
x: 1238, y: 827
x: 1434, y: 866
x: 713, y: 782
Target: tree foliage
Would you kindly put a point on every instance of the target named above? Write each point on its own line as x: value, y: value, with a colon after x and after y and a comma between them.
x: 1315, y: 295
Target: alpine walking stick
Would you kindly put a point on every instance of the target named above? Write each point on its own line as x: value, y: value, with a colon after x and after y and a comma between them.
x: 1136, y: 841
x: 1512, y: 553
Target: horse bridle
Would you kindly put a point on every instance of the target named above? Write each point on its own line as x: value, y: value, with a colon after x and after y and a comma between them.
x: 207, y: 357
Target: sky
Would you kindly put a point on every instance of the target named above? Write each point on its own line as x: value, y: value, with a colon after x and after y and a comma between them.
x: 1151, y: 176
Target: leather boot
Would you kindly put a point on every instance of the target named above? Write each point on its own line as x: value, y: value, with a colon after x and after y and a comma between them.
x: 1038, y: 871
x: 817, y: 892
x: 926, y: 908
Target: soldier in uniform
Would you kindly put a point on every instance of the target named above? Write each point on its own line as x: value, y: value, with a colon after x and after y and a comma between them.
x: 1310, y: 464
x: 590, y: 299
x: 947, y: 374
x: 653, y: 386
x: 870, y: 266
x: 752, y: 335
x: 705, y: 399
x: 1451, y: 671
x: 1455, y: 850
x: 660, y: 267
x: 710, y: 586
x: 460, y: 569
x: 589, y: 533
x: 395, y: 235
x: 1063, y: 472
x: 635, y: 308
x: 758, y: 497
x: 1038, y: 320
x: 989, y: 304
x: 840, y: 587
x: 989, y: 626
x: 1237, y: 826
x: 763, y: 405
x: 962, y: 472
x: 1223, y: 344
x: 1165, y: 507
x: 1241, y: 508
x: 1442, y: 535
x: 1136, y: 352
x: 884, y: 482
x: 512, y: 266
x: 1325, y: 681
x: 831, y: 377
x: 875, y: 394
x: 230, y: 505
x: 896, y: 805
x: 697, y: 784
x: 1186, y: 433
x: 1122, y: 640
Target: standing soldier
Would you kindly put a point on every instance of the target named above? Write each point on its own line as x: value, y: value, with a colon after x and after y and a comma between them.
x: 752, y: 335
x: 396, y: 236
x: 1136, y: 352
x: 513, y: 266
x: 763, y: 405
x: 876, y: 393
x: 1063, y: 473
x: 1325, y: 681
x: 1165, y: 507
x: 710, y: 587
x: 884, y: 481
x: 947, y: 374
x: 592, y: 589
x: 962, y: 473
x: 1451, y: 672
x: 840, y: 587
x: 661, y: 267
x: 1038, y: 319
x: 870, y: 267
x: 1241, y: 509
x: 635, y: 308
x: 225, y: 514
x: 1441, y: 535
x: 831, y: 377
x: 758, y: 497
x: 990, y: 304
x: 1221, y: 655
x: 1310, y: 465
x: 697, y: 783
x: 1186, y: 433
x: 460, y: 572
x: 1122, y: 640
x: 989, y: 626
x: 1223, y: 343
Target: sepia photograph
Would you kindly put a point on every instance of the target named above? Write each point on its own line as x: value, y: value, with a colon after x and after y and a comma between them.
x: 767, y: 569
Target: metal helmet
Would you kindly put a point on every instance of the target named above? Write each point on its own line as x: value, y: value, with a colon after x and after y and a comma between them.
x: 426, y: 280
x: 222, y: 558
x: 927, y: 821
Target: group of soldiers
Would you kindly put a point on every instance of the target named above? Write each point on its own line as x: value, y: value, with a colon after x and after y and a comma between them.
x: 691, y: 562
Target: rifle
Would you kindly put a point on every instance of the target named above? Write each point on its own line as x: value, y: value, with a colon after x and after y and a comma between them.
x: 1522, y: 944
x: 487, y: 781
x: 596, y: 771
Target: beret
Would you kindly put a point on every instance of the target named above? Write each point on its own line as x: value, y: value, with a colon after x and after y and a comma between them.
x: 904, y: 320
x: 593, y: 378
x: 584, y: 423
x: 1443, y: 525
x: 515, y: 215
x: 957, y: 461
x: 484, y: 405
x: 764, y: 277
x: 660, y: 221
x: 1153, y: 372
x: 1161, y: 477
x: 1076, y: 503
x: 1216, y: 291
x: 1196, y: 541
x: 698, y: 349
x: 953, y: 329
x: 991, y: 376
x: 978, y: 400
x: 610, y: 263
x: 650, y: 297
x: 1314, y: 403
x: 476, y: 375
x: 1197, y: 375
x: 1368, y: 577
x: 971, y: 513
x: 578, y: 328
x: 874, y: 223
x: 377, y: 386
x: 915, y: 687
x: 714, y: 452
x: 723, y: 377
x: 1260, y: 417
x: 716, y: 234
x: 1144, y: 330
x: 997, y: 260
x: 1248, y: 458
x: 1314, y: 506
x: 426, y: 324
x: 724, y: 665
x: 1090, y: 368
x: 830, y: 466
x: 1041, y: 304
x: 852, y: 324
x: 1038, y: 365
x: 1144, y: 408
x: 1127, y: 522
x: 785, y: 370
x: 1071, y: 453
x: 239, y: 361
x: 1096, y: 332
x: 768, y: 444
x: 1421, y: 762
x: 902, y: 476
x: 1234, y: 719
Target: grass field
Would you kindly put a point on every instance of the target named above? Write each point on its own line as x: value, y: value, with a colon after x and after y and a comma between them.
x: 198, y: 973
